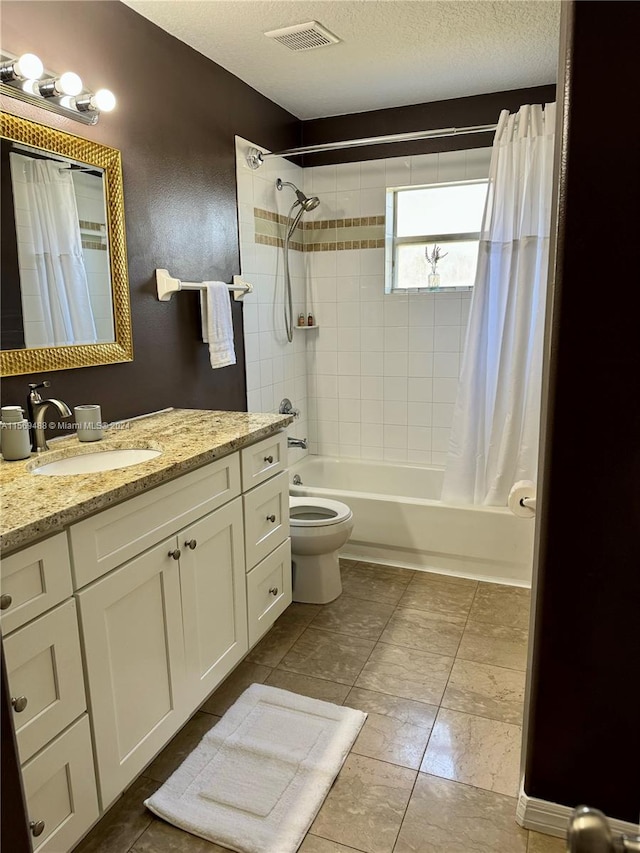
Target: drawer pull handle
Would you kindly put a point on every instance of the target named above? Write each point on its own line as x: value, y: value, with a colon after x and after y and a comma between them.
x: 5, y: 601
x: 273, y: 590
x: 268, y: 459
x: 19, y: 703
x: 271, y: 518
x: 175, y: 554
x: 36, y: 827
x: 191, y: 544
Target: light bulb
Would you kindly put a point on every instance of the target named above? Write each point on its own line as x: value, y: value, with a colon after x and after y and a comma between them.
x: 29, y: 67
x: 104, y: 100
x: 69, y: 83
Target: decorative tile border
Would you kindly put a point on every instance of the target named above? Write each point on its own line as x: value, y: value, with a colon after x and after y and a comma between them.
x: 321, y: 235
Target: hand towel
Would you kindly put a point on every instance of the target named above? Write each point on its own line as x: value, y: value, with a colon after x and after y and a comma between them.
x: 217, y: 323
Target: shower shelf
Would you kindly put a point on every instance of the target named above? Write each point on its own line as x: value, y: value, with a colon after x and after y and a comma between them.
x: 306, y: 328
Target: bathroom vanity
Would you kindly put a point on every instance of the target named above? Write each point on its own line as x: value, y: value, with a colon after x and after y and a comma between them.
x: 129, y: 595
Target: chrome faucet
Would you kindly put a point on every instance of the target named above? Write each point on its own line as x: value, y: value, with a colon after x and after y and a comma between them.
x: 297, y: 442
x: 37, y: 409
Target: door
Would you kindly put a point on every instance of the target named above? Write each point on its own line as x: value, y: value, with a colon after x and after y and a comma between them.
x: 213, y: 598
x: 132, y: 627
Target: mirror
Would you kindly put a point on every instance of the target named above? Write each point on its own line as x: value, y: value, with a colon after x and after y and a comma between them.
x: 65, y: 288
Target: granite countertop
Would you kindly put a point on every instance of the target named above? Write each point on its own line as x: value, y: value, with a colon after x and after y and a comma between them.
x: 34, y: 506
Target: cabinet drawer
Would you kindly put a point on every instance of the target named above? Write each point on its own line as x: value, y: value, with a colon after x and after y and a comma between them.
x: 108, y: 539
x: 44, y: 667
x: 36, y: 579
x: 269, y: 591
x: 263, y: 460
x: 266, y: 518
x: 60, y: 789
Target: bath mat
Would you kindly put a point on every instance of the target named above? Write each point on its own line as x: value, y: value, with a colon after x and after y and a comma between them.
x: 256, y: 781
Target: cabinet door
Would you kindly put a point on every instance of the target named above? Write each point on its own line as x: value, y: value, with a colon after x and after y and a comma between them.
x: 213, y: 598
x: 44, y: 667
x: 132, y: 628
x: 60, y: 789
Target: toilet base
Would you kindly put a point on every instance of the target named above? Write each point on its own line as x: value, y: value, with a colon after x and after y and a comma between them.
x: 316, y: 578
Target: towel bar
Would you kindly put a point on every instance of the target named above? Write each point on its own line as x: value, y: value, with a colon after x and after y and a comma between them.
x: 167, y: 286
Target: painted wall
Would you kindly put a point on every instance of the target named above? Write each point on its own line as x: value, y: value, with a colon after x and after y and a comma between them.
x: 179, y: 189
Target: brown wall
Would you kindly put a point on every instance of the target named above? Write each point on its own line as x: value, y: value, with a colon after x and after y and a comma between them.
x: 175, y: 122
x: 584, y: 734
x: 457, y: 112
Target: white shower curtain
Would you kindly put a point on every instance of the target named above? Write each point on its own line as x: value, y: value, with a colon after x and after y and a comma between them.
x: 494, y: 437
x: 62, y: 287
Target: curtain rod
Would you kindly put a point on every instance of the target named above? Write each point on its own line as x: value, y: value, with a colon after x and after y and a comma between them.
x: 255, y: 158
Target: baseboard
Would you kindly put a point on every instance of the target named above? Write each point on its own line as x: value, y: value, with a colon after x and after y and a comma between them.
x: 553, y: 819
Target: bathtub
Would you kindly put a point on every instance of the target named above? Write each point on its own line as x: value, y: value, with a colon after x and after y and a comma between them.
x: 399, y: 520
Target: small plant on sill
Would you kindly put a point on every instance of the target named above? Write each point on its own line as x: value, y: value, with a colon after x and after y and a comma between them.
x: 432, y: 259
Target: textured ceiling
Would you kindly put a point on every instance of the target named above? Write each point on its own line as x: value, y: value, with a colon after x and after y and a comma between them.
x: 393, y: 52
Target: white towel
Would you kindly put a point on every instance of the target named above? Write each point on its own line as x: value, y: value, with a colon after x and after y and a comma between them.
x: 217, y: 323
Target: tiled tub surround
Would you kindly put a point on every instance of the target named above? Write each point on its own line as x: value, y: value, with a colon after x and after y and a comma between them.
x: 438, y: 664
x: 35, y: 506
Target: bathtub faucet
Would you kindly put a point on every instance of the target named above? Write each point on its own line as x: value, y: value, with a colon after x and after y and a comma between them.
x: 297, y: 442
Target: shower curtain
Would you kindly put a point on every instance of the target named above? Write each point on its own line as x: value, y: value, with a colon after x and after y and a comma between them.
x: 62, y: 294
x: 495, y: 432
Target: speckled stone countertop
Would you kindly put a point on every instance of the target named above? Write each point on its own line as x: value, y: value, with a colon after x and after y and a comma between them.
x: 35, y: 506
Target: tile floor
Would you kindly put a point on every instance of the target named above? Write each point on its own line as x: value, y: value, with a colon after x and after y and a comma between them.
x: 438, y: 664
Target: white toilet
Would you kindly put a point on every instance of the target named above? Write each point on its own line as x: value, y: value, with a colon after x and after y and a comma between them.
x: 319, y: 528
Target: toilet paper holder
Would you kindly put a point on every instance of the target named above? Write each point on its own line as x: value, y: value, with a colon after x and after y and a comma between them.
x: 522, y: 499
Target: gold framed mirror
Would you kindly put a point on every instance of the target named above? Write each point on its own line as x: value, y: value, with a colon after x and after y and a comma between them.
x: 109, y: 338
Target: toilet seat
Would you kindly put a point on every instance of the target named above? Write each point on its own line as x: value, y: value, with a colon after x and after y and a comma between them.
x: 316, y: 512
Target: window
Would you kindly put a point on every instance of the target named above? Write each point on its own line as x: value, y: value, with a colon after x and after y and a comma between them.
x: 419, y: 218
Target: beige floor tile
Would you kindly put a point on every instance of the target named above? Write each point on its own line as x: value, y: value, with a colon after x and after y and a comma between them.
x: 474, y: 750
x: 180, y: 746
x: 243, y: 676
x: 495, y: 644
x: 438, y: 633
x: 485, y: 690
x: 442, y: 578
x: 409, y: 673
x: 375, y: 583
x: 539, y: 843
x: 161, y: 837
x: 501, y: 605
x: 286, y: 630
x: 345, y: 562
x: 315, y: 844
x: 364, y: 809
x: 316, y: 688
x: 323, y: 654
x: 405, y: 710
x: 123, y: 824
x: 354, y: 616
x: 438, y: 597
x: 389, y: 739
x: 447, y: 817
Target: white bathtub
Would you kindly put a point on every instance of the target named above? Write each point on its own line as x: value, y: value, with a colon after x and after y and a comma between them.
x: 399, y: 520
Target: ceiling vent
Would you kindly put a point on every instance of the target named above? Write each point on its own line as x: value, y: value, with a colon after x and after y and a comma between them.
x: 303, y: 36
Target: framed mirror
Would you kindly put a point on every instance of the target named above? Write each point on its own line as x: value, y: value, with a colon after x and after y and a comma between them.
x: 65, y: 285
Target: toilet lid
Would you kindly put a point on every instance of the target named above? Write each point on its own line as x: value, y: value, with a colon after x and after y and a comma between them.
x: 316, y: 512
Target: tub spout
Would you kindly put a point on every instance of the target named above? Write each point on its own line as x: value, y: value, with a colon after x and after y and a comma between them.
x: 297, y: 442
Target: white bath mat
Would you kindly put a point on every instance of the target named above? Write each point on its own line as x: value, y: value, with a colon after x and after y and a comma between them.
x: 256, y: 781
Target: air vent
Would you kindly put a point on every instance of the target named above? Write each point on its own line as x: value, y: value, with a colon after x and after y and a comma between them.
x: 303, y: 36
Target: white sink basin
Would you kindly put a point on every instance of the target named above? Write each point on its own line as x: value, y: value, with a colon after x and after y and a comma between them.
x: 99, y: 460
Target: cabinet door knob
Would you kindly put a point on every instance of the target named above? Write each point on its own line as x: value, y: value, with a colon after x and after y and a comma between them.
x: 175, y: 554
x: 273, y: 590
x: 191, y: 544
x: 19, y: 703
x: 268, y: 459
x: 5, y: 601
x: 271, y: 518
x: 36, y: 827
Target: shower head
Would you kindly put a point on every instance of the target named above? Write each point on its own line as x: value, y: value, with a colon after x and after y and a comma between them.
x: 304, y: 201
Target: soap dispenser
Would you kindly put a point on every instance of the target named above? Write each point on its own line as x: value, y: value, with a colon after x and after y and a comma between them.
x: 15, y: 434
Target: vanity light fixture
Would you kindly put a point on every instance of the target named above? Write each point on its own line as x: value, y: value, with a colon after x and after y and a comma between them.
x: 21, y: 77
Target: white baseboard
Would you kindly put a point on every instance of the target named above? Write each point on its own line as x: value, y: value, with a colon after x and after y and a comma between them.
x: 553, y: 819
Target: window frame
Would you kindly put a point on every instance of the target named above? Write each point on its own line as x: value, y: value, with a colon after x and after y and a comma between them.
x: 392, y: 241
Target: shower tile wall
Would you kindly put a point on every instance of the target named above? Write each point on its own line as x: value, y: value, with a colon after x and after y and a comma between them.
x: 275, y: 368
x: 382, y: 369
